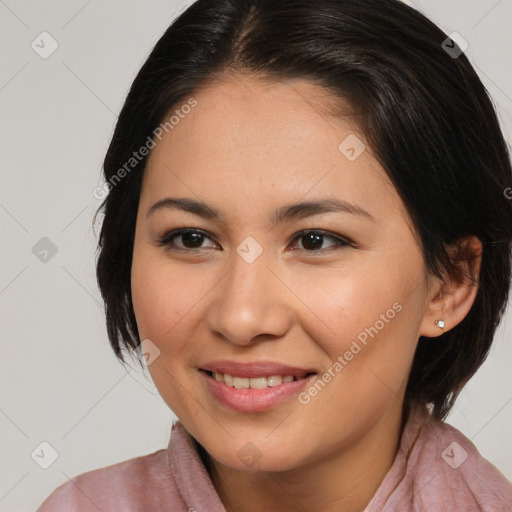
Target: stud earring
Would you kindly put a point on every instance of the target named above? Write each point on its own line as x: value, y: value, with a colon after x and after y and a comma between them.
x: 440, y: 324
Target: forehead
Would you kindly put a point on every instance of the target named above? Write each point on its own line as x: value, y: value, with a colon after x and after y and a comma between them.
x: 248, y: 139
x: 254, y: 110
x: 249, y: 90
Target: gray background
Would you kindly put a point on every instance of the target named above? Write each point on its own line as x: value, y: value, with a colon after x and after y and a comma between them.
x: 60, y: 382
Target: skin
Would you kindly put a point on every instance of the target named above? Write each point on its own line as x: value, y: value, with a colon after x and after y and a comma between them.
x: 248, y: 148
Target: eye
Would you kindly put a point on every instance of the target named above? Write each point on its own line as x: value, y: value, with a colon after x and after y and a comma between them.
x: 190, y: 239
x: 312, y: 240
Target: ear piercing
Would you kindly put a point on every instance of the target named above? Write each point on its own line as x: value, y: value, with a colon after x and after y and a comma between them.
x: 440, y: 324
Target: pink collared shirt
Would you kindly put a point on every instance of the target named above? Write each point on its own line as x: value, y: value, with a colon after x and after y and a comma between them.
x: 436, y: 469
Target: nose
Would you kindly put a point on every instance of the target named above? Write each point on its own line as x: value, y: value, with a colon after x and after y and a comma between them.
x: 251, y: 302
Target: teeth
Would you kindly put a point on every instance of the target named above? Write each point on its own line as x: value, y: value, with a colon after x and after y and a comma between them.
x: 241, y: 382
x: 274, y: 380
x: 255, y: 382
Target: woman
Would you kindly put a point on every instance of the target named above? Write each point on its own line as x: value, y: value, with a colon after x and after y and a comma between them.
x: 307, y: 239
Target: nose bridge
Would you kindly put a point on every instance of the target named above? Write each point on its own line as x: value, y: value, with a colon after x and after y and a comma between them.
x: 250, y: 300
x: 250, y: 273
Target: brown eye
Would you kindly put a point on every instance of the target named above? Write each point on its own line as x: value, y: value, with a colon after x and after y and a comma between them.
x: 313, y: 240
x: 190, y: 239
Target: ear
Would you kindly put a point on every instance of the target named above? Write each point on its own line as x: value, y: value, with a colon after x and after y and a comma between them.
x: 450, y: 299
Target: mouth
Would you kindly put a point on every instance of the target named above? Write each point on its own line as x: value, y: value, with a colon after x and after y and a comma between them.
x: 254, y: 394
x: 259, y: 382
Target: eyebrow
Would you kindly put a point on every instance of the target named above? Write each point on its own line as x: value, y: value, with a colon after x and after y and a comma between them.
x: 292, y: 211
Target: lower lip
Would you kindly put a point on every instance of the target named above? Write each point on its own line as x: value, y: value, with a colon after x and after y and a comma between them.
x: 253, y: 400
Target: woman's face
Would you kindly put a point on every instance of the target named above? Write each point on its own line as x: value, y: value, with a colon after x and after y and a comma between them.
x: 347, y: 302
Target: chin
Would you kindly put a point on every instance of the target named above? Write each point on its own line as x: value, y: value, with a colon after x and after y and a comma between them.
x: 251, y: 459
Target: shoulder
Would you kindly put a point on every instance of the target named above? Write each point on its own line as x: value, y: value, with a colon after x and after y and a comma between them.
x: 127, y: 486
x: 451, y: 470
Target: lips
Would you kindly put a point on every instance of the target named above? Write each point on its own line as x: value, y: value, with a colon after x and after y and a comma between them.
x: 255, y: 386
x: 250, y: 400
x: 255, y: 369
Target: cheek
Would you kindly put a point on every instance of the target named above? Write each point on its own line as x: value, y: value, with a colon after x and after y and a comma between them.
x: 163, y: 294
x: 367, y: 321
x: 164, y: 297
x: 341, y: 304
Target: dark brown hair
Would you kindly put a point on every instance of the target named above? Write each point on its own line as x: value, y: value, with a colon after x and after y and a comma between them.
x: 428, y: 118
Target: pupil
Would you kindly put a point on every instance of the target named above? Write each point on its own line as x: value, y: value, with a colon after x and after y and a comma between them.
x: 312, y: 240
x: 315, y: 238
x: 192, y: 239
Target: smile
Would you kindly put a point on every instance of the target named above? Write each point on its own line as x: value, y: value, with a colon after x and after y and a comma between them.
x: 255, y: 394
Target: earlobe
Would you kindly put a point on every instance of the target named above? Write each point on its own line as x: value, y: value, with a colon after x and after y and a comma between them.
x: 452, y: 298
x: 436, y: 314
x: 440, y: 324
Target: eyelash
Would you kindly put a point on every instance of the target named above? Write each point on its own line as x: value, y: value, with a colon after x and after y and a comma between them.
x: 167, y: 239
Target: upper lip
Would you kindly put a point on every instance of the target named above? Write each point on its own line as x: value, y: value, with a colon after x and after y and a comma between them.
x: 254, y: 369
